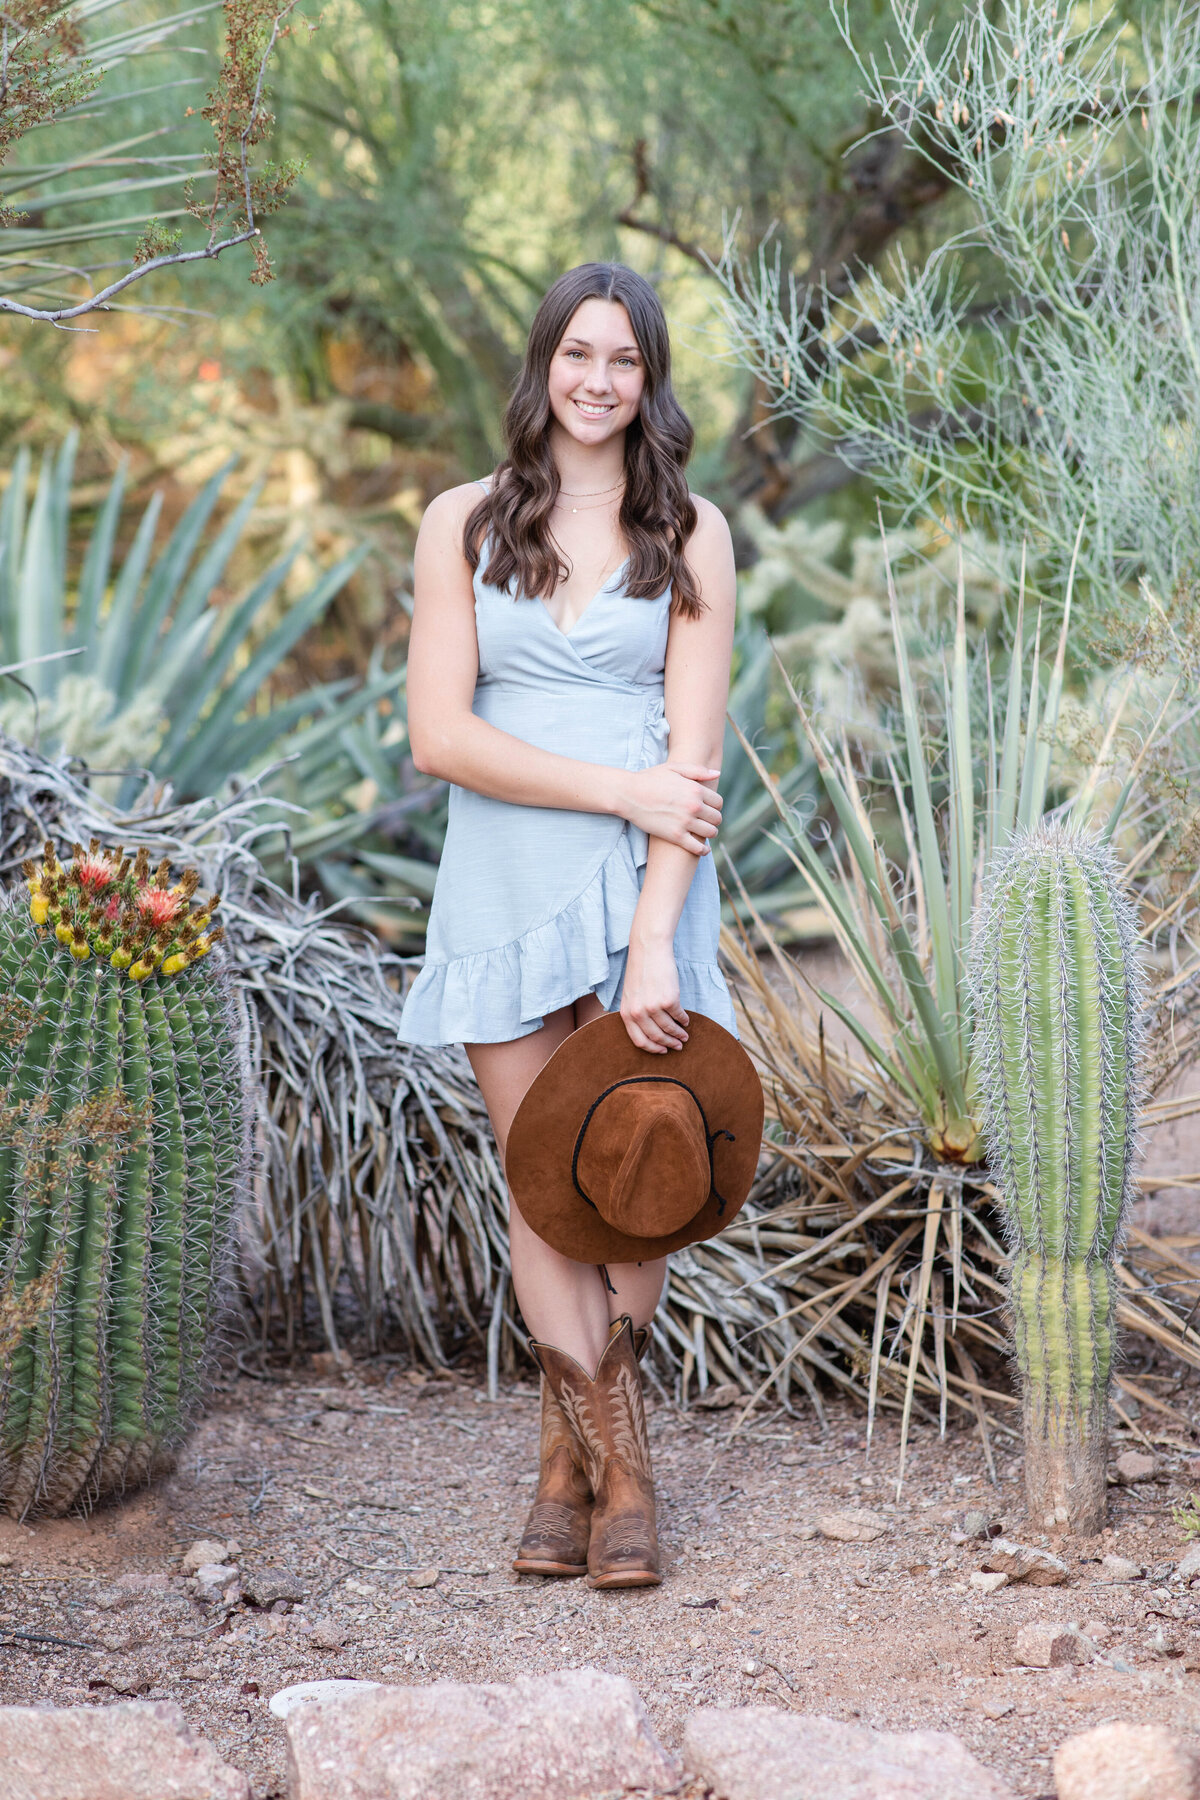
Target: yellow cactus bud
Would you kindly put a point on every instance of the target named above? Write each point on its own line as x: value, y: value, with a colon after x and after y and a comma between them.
x: 202, y: 946
x: 39, y: 906
x: 140, y: 970
x: 80, y: 949
x: 120, y: 959
x: 64, y: 933
x: 173, y: 964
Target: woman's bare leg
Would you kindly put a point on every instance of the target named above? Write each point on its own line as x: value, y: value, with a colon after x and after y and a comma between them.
x: 638, y: 1285
x: 563, y: 1302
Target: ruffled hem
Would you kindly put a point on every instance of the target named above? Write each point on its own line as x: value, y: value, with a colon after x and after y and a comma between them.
x: 496, y: 995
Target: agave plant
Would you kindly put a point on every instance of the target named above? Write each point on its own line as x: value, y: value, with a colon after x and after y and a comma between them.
x: 907, y: 940
x: 130, y: 663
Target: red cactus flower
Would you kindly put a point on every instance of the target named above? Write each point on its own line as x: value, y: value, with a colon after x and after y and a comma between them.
x: 93, y: 872
x: 157, y: 906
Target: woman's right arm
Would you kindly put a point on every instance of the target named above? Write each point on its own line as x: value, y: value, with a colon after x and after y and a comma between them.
x: 447, y: 740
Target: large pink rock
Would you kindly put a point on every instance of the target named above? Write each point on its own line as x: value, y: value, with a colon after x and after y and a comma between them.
x: 138, y: 1750
x: 545, y: 1737
x: 759, y: 1753
x: 1128, y: 1762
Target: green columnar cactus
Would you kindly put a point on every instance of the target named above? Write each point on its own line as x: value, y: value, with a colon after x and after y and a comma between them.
x: 124, y: 1156
x: 1058, y: 991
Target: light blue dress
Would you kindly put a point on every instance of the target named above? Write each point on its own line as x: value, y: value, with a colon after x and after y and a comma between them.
x: 533, y: 905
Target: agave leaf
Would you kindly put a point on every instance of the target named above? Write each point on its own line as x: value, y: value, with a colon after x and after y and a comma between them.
x: 97, y: 561
x: 163, y: 584
x: 111, y: 645
x: 206, y: 744
x: 189, y: 699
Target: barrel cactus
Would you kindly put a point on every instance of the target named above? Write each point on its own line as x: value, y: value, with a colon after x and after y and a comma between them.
x: 1058, y: 989
x: 124, y: 1157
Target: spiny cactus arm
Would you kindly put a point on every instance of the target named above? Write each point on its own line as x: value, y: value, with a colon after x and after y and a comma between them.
x: 58, y: 1174
x: 1005, y: 1055
x: 1082, y: 1011
x: 131, y: 1273
x: 1046, y: 1207
x: 87, y: 1318
x: 200, y: 1200
x: 35, y: 1217
x: 1063, y: 1327
x: 170, y: 1169
x: 1123, y: 1002
x: 221, y: 1115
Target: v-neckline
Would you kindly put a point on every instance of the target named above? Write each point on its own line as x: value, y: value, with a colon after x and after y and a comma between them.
x: 568, y: 635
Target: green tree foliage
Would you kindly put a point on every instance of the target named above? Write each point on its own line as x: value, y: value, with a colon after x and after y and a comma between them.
x: 54, y: 60
x: 1040, y: 364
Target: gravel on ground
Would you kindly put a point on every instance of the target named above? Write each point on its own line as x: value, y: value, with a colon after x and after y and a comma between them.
x: 392, y: 1500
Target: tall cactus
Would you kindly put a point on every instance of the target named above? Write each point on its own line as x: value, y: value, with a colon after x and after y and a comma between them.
x: 1058, y: 990
x: 124, y: 1155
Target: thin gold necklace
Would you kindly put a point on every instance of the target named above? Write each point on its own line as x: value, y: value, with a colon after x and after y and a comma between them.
x: 588, y: 494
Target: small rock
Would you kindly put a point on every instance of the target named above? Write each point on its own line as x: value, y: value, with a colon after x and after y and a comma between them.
x: 1121, y: 1761
x: 1135, y: 1465
x: 1045, y: 1645
x: 758, y: 1753
x: 307, y: 1693
x: 979, y: 1524
x: 580, y: 1732
x: 326, y: 1634
x: 423, y: 1578
x: 1188, y: 1567
x: 131, y: 1751
x: 131, y: 1680
x: 1098, y: 1630
x: 332, y: 1362
x: 996, y: 1708
x: 129, y: 1588
x: 263, y: 1587
x: 1022, y: 1562
x: 716, y: 1399
x: 1119, y: 1568
x: 854, y: 1526
x: 204, y: 1550
x: 1163, y: 1643
x: 805, y: 1532
x: 987, y: 1580
x: 216, y: 1581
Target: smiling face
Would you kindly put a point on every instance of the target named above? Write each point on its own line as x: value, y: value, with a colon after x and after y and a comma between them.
x: 596, y: 374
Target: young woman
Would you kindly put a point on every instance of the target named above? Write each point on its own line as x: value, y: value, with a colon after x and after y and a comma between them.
x: 570, y: 612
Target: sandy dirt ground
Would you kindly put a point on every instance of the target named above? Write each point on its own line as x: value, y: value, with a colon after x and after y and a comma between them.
x: 361, y: 1482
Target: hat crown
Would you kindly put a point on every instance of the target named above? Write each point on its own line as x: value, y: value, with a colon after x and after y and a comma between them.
x: 642, y: 1156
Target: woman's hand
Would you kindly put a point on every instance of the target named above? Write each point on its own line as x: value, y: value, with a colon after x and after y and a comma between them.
x: 673, y: 801
x: 650, y: 1005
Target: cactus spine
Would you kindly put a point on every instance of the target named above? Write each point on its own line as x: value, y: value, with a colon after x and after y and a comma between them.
x: 1058, y: 1006
x: 124, y: 1154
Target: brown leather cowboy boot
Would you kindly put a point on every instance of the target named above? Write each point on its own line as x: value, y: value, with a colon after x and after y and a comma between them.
x: 555, y: 1538
x: 608, y: 1418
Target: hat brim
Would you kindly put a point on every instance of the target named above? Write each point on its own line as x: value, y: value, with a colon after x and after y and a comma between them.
x: 541, y: 1139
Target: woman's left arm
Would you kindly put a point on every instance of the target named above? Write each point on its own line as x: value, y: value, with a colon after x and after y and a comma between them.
x: 695, y: 693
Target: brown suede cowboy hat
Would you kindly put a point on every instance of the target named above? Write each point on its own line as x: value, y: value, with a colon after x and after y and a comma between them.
x: 618, y: 1155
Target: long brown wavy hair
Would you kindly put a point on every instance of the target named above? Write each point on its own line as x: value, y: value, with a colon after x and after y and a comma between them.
x: 657, y: 513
